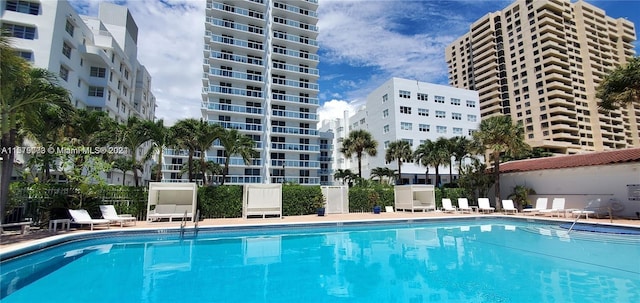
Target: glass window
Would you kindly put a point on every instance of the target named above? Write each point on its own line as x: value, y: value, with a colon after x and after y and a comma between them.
x: 405, y: 94
x: 385, y: 129
x: 385, y: 113
x: 27, y: 7
x: 423, y: 112
x: 423, y: 127
x: 457, y: 131
x: 441, y: 129
x: 385, y: 98
x: 456, y: 116
x: 26, y: 55
x: 471, y: 103
x: 66, y: 50
x: 19, y: 31
x: 406, y: 125
x: 423, y: 97
x: 471, y: 118
x: 64, y: 73
x: 455, y: 101
x: 405, y: 110
x: 438, y: 99
x: 68, y: 27
x: 99, y: 72
x: 440, y: 114
x: 96, y: 91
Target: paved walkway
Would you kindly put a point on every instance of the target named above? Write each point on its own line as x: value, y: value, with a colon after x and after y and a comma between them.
x: 9, y: 240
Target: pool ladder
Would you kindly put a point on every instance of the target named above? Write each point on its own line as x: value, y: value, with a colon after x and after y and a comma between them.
x: 183, y: 225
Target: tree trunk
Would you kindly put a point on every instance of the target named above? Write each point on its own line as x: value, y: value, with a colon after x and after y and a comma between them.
x: 437, y: 175
x: 8, y: 146
x: 124, y: 176
x: 399, y: 173
x: 190, y: 165
x: 426, y: 176
x: 135, y: 170
x: 450, y: 171
x: 496, y: 176
x: 159, y: 172
x: 359, y: 165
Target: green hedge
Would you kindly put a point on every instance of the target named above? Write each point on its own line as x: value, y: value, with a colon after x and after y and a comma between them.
x: 363, y: 199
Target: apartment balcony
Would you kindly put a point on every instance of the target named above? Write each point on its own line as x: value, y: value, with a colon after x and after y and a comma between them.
x: 231, y: 27
x: 295, y: 147
x: 558, y: 93
x: 553, y: 67
x: 296, y: 69
x: 325, y: 159
x: 552, y: 31
x: 562, y: 135
x: 295, y: 84
x: 294, y: 26
x: 240, y: 109
x: 295, y: 99
x: 237, y: 58
x: 287, y: 53
x: 298, y: 40
x: 553, y: 52
x: 249, y: 127
x: 296, y: 163
x: 554, y: 84
x: 562, y: 110
x: 294, y: 131
x: 235, y: 161
x: 228, y: 74
x: 326, y: 146
x: 179, y: 153
x: 490, y: 107
x: 559, y: 118
x: 487, y: 45
x: 248, y: 15
x: 488, y: 61
x: 173, y: 167
x: 306, y: 15
x: 297, y: 180
x: 483, y: 70
x: 245, y: 46
x: 242, y: 179
x: 232, y: 91
x: 294, y: 115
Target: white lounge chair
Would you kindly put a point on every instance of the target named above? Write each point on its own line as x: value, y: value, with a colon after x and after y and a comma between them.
x: 463, y: 205
x: 541, y: 203
x: 447, y: 206
x: 595, y: 208
x: 483, y: 205
x: 507, y: 207
x: 557, y: 206
x: 109, y: 213
x: 82, y: 217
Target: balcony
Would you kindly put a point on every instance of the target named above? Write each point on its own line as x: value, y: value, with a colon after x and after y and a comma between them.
x: 295, y: 115
x: 296, y: 163
x: 295, y: 147
x: 295, y: 99
x: 295, y: 38
x: 294, y: 130
x: 236, y: 75
x: 236, y: 10
x: 297, y: 69
x: 232, y: 108
x: 237, y: 58
x: 238, y: 125
x: 232, y: 91
x: 295, y: 84
x: 235, y: 161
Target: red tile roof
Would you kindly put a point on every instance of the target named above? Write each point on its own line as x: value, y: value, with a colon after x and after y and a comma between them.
x: 578, y: 160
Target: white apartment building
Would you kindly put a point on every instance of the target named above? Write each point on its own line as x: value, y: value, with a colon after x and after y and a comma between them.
x: 94, y: 57
x: 261, y: 78
x: 339, y: 127
x: 413, y: 111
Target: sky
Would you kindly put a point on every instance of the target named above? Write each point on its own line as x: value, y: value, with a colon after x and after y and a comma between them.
x: 363, y: 43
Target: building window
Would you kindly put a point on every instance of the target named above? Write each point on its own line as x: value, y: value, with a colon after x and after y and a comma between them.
x: 66, y: 50
x: 423, y: 112
x: 423, y: 97
x: 440, y: 114
x: 96, y: 91
x: 20, y: 6
x: 471, y: 131
x: 423, y: 127
x: 386, y: 144
x: 441, y: 129
x: 471, y: 103
x: 99, y: 72
x: 456, y: 116
x: 26, y: 55
x: 405, y: 94
x: 64, y: 73
x: 457, y: 131
x: 385, y: 113
x: 438, y: 99
x: 385, y: 129
x: 405, y: 110
x: 455, y: 101
x: 410, y: 141
x: 19, y: 31
x: 406, y: 126
x: 471, y: 118
x: 68, y: 27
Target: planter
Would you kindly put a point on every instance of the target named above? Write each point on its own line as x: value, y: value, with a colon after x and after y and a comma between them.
x: 376, y: 209
x: 321, y: 212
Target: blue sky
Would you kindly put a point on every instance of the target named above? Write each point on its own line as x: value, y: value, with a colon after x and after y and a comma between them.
x: 362, y: 44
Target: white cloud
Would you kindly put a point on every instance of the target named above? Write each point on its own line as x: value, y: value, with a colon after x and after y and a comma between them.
x: 335, y: 109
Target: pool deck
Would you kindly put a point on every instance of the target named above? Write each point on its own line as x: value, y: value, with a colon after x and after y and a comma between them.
x: 14, y: 240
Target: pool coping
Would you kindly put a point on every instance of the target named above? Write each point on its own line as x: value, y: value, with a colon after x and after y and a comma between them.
x: 17, y: 250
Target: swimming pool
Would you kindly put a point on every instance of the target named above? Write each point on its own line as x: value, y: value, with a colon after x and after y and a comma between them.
x: 470, y: 260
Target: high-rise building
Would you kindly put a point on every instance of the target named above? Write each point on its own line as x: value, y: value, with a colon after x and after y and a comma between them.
x: 541, y: 62
x: 95, y: 58
x: 412, y: 111
x: 261, y: 78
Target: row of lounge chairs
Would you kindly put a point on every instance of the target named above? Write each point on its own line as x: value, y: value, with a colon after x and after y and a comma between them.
x: 109, y: 216
x: 594, y: 208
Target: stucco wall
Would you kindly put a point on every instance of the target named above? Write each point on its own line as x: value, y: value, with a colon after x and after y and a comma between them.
x: 579, y: 185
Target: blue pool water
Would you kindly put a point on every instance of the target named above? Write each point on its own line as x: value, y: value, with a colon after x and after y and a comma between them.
x: 484, y: 260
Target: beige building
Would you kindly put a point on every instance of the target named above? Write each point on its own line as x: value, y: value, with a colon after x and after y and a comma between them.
x: 540, y: 62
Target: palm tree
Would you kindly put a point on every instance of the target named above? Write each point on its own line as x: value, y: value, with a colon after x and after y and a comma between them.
x: 45, y: 125
x: 207, y: 133
x: 184, y: 136
x: 621, y: 86
x: 235, y: 143
x: 401, y: 151
x: 132, y: 135
x: 359, y: 142
x: 159, y: 135
x: 432, y: 153
x: 21, y: 88
x: 378, y: 172
x: 458, y: 148
x: 346, y: 175
x: 498, y: 135
x: 124, y: 165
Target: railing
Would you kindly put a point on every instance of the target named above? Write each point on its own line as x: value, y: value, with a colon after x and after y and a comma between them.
x: 295, y: 130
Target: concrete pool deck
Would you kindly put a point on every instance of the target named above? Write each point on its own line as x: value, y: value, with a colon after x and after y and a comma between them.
x: 11, y: 241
